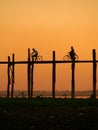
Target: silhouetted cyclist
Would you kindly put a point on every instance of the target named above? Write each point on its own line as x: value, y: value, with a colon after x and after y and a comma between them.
x: 35, y: 53
x: 72, y: 54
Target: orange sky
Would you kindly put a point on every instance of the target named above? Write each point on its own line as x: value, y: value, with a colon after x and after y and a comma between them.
x: 49, y: 25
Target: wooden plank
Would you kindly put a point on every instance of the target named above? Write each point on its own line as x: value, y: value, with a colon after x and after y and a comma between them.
x: 28, y: 72
x: 8, y: 73
x: 48, y: 62
x: 32, y: 77
x: 12, y: 84
x: 73, y: 80
x: 53, y: 75
x: 94, y: 73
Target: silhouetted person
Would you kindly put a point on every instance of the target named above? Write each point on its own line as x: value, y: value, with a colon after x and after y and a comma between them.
x: 35, y: 53
x: 72, y: 54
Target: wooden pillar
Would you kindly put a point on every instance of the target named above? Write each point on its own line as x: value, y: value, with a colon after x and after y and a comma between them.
x: 32, y: 76
x: 28, y: 72
x: 53, y: 76
x: 8, y: 73
x: 73, y: 79
x: 94, y: 73
x: 12, y: 82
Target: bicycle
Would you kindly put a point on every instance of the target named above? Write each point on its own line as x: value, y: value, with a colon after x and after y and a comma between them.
x: 67, y: 57
x: 39, y: 58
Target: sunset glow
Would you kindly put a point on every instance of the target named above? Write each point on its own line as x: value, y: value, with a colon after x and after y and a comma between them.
x: 48, y: 25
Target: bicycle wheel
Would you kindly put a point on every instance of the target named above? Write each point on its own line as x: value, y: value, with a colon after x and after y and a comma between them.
x: 39, y: 58
x: 66, y: 57
x: 76, y: 57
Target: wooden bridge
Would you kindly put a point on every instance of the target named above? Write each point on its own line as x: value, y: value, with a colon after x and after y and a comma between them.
x: 30, y: 72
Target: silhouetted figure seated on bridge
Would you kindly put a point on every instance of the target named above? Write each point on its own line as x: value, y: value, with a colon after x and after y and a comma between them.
x: 34, y: 53
x: 72, y: 54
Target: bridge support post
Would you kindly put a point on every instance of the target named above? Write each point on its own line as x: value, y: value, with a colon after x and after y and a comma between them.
x: 94, y: 73
x: 53, y: 76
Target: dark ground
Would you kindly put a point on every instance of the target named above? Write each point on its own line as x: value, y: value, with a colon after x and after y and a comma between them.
x: 48, y: 117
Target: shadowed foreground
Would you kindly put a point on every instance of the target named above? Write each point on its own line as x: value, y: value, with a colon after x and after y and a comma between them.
x: 48, y: 114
